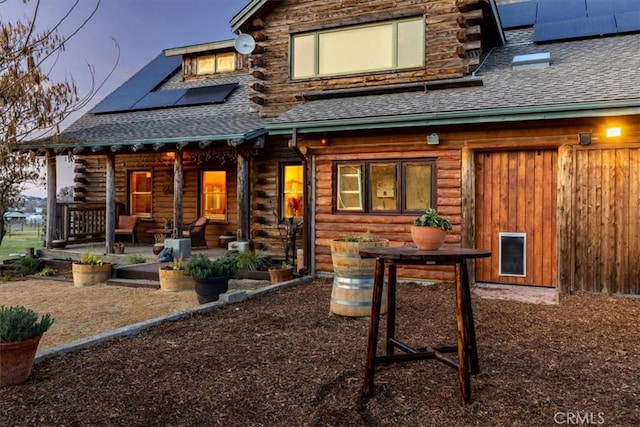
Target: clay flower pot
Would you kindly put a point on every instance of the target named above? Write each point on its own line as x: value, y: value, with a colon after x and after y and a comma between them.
x: 428, y: 238
x: 16, y: 360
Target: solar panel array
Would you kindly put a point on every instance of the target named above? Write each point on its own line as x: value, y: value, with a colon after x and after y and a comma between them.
x: 139, y: 92
x: 554, y: 20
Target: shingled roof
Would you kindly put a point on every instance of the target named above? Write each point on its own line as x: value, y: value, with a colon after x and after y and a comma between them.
x: 586, y: 78
x: 233, y: 119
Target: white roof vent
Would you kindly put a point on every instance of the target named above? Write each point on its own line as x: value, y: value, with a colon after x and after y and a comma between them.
x: 533, y: 60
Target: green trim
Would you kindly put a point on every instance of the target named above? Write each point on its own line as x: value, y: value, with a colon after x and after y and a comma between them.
x: 69, y: 145
x: 565, y: 111
x: 246, y: 13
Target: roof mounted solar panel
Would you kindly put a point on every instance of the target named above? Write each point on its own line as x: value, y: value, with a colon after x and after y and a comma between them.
x: 627, y: 22
x: 574, y: 29
x: 560, y: 10
x: 207, y: 95
x: 139, y: 85
x: 517, y: 15
x: 159, y: 99
x: 610, y: 7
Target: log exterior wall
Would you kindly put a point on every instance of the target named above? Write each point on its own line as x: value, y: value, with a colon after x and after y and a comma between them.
x: 289, y: 17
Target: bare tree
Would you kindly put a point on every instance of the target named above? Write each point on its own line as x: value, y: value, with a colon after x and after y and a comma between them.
x: 31, y: 105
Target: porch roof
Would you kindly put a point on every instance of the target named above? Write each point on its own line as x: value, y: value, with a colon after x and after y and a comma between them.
x: 586, y: 78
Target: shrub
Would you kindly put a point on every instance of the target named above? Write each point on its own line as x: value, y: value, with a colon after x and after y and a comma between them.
x: 91, y: 259
x: 18, y: 323
x: 27, y: 266
x: 136, y: 259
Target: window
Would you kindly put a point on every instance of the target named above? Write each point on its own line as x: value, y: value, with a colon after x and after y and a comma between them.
x: 384, y: 46
x: 406, y: 186
x: 292, y: 200
x: 214, y: 195
x: 215, y: 63
x: 140, y: 185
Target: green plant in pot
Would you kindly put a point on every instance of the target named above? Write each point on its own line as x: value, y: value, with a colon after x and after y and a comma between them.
x: 20, y: 333
x: 211, y: 276
x: 174, y: 278
x: 90, y: 270
x: 429, y: 230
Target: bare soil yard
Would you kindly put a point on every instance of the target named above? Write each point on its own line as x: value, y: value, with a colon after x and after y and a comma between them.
x: 283, y: 360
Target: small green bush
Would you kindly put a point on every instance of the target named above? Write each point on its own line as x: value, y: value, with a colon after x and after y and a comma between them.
x: 27, y: 266
x: 47, y: 271
x: 18, y: 323
x: 136, y: 259
x: 91, y: 259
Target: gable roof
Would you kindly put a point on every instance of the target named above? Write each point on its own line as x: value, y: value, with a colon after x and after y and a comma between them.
x: 586, y: 78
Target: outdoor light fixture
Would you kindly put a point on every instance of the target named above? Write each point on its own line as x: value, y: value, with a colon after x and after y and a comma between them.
x: 433, y: 139
x: 204, y: 144
x: 158, y: 145
x: 137, y: 147
x: 613, y: 132
x: 115, y: 148
x: 324, y: 141
x: 584, y: 138
x: 181, y: 145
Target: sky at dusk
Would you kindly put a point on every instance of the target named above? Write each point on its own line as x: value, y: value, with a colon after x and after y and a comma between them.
x: 142, y: 29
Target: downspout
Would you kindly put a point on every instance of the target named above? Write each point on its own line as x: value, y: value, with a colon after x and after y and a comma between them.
x: 306, y: 214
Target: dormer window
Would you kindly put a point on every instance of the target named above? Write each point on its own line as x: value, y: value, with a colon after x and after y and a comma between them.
x: 390, y: 45
x: 215, y: 63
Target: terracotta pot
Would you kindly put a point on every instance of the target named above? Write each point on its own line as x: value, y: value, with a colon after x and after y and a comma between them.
x: 175, y: 280
x: 280, y: 274
x: 16, y: 360
x: 88, y: 274
x: 428, y: 238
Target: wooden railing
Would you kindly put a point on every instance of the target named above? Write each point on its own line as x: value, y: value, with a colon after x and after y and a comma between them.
x: 81, y: 223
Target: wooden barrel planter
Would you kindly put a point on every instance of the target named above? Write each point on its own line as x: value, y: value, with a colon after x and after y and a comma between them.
x: 175, y: 280
x: 353, y: 279
x: 89, y: 274
x: 16, y: 360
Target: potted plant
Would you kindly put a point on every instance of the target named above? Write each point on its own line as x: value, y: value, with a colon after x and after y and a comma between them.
x: 353, y: 276
x: 174, y: 278
x: 281, y: 273
x: 429, y: 230
x: 211, y: 276
x: 91, y: 269
x: 20, y: 333
x: 158, y: 243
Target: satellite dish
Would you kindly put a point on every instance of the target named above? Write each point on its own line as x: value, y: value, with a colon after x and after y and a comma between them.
x: 244, y: 44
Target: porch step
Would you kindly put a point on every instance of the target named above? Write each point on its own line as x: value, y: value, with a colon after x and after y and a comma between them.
x: 146, y: 271
x: 134, y: 283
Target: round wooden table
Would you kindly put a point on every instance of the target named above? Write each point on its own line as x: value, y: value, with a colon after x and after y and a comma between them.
x: 390, y: 258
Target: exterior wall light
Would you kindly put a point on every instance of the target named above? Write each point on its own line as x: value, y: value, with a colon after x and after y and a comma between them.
x: 324, y: 141
x: 433, y: 139
x: 613, y: 132
x: 584, y: 138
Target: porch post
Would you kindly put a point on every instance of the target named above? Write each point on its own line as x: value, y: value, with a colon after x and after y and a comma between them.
x: 51, y: 197
x: 178, y: 185
x: 243, y: 198
x: 110, y: 217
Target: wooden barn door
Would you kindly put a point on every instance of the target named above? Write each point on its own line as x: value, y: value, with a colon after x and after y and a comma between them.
x: 516, y: 216
x: 606, y: 219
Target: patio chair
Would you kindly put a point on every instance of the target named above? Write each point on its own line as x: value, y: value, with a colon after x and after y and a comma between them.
x: 196, y: 231
x: 128, y: 226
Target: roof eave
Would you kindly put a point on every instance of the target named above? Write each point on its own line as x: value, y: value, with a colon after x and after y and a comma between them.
x: 245, y: 14
x: 564, y: 111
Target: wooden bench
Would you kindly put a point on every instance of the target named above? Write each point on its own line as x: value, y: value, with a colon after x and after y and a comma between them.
x: 128, y: 226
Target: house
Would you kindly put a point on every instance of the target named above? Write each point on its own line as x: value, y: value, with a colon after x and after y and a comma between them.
x: 519, y: 120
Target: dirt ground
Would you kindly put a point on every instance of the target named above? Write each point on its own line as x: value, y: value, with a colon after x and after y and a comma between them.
x: 283, y: 360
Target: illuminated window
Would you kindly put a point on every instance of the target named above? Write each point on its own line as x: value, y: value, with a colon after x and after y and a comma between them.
x: 215, y: 63
x: 140, y: 184
x: 378, y: 47
x: 292, y: 201
x: 405, y: 186
x: 214, y: 195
